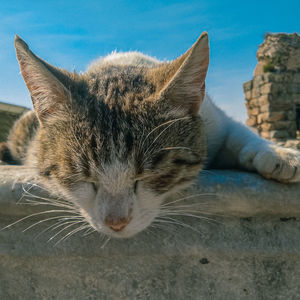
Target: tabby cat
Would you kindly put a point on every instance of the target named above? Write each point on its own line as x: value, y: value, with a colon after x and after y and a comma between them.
x: 116, y: 140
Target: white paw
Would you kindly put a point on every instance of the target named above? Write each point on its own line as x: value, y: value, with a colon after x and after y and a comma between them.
x: 272, y: 162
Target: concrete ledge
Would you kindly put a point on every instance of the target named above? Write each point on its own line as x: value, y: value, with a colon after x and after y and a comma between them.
x: 249, y: 250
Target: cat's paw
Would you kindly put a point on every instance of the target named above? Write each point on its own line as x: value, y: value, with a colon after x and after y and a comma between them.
x: 273, y: 162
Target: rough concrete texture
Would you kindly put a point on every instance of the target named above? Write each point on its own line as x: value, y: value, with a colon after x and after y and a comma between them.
x: 249, y: 248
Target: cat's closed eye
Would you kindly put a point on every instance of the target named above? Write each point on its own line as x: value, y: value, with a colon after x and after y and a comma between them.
x: 135, y: 186
x: 95, y: 186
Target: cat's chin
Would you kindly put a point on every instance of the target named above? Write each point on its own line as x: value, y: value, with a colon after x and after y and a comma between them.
x: 122, y: 234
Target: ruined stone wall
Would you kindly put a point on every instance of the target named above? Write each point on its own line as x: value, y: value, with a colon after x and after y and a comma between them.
x: 273, y: 94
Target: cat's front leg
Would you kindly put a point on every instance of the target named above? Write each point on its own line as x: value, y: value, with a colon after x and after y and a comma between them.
x: 256, y: 154
x: 271, y: 161
x: 232, y: 145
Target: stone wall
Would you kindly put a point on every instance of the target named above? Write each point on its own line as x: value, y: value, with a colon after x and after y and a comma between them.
x: 273, y: 94
x: 244, y: 245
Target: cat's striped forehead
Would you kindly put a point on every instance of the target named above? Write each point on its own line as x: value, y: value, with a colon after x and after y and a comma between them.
x: 117, y: 117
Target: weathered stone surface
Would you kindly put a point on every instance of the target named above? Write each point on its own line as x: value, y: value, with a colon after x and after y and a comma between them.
x: 274, y: 91
x: 293, y: 62
x: 265, y: 127
x: 264, y: 108
x: 264, y: 99
x: 294, y: 88
x: 254, y: 102
x: 254, y: 111
x: 270, y: 116
x: 251, y: 121
x: 279, y: 125
x: 275, y: 134
x: 248, y: 95
x: 267, y: 88
x: 248, y: 248
x: 280, y: 51
x: 278, y: 134
x: 247, y: 85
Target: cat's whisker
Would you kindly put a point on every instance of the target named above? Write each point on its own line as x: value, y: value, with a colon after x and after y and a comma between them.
x: 52, y: 227
x: 57, y: 225
x: 106, y: 242
x: 192, y: 210
x: 34, y: 184
x: 89, y: 231
x: 175, y: 148
x: 170, y: 220
x: 52, y: 218
x: 35, y: 214
x: 27, y: 192
x: 169, y: 123
x: 37, y: 203
x: 157, y: 137
x: 24, y: 193
x: 156, y: 128
x: 65, y: 228
x: 50, y: 203
x: 68, y: 235
x: 188, y: 197
x: 163, y: 149
x: 183, y: 214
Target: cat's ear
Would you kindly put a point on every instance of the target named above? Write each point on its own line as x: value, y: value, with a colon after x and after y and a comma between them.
x: 48, y: 94
x: 186, y: 88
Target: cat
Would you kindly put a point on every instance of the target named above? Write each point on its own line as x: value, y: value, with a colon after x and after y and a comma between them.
x: 118, y: 139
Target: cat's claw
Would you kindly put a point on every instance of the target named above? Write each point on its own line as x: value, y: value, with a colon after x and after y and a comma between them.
x: 273, y: 162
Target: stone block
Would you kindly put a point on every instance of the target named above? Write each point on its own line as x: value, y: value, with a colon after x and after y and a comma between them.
x: 248, y: 95
x: 278, y: 127
x: 265, y: 99
x: 278, y: 134
x: 265, y: 134
x: 265, y: 127
x: 293, y: 62
x: 247, y: 86
x: 254, y: 102
x: 296, y: 77
x: 291, y: 115
x: 271, y: 117
x: 265, y: 108
x: 258, y: 81
x: 254, y: 111
x: 284, y: 125
x: 251, y: 121
x: 256, y: 92
x: 259, y: 69
x: 267, y: 88
x: 294, y: 88
x: 296, y: 98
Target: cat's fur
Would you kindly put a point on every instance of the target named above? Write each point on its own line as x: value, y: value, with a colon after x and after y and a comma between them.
x: 119, y: 138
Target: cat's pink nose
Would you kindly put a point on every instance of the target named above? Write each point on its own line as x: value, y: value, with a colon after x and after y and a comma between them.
x: 115, y: 223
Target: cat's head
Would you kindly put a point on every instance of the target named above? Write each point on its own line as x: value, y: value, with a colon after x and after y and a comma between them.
x: 118, y: 140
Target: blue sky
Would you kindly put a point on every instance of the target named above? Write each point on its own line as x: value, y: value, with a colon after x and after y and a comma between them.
x: 70, y: 34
